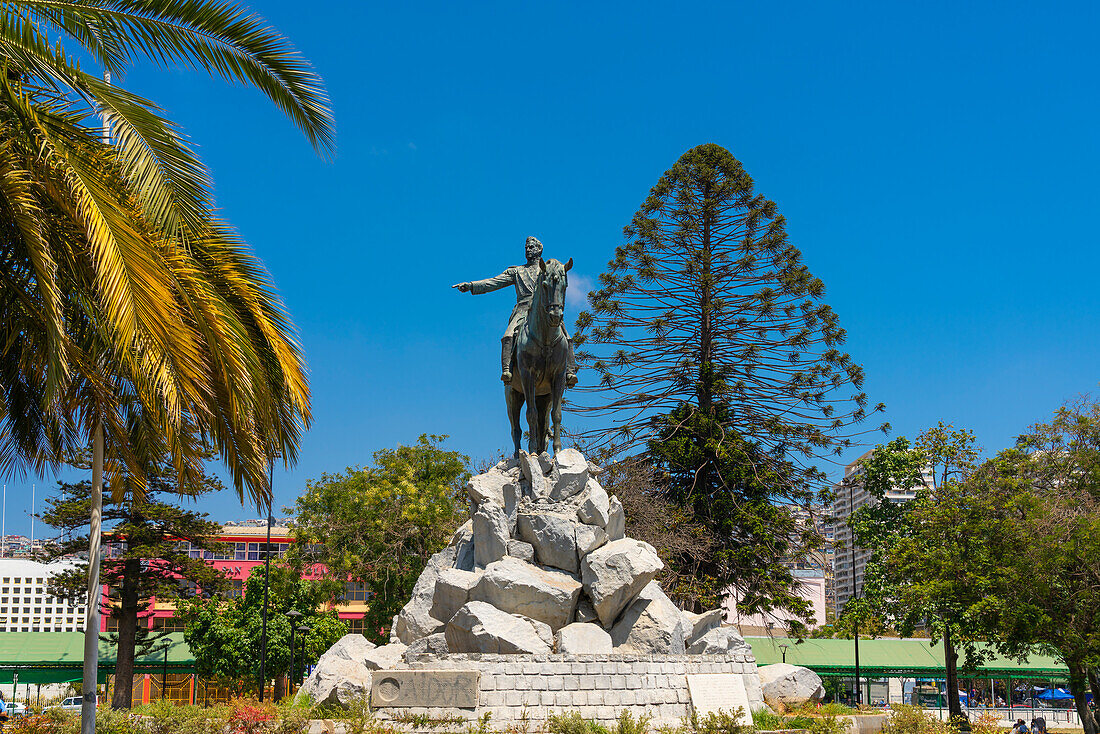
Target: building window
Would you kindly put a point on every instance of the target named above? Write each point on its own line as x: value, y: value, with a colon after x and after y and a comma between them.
x: 355, y: 592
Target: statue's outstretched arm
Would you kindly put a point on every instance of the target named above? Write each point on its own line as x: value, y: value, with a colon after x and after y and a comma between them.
x: 488, y: 285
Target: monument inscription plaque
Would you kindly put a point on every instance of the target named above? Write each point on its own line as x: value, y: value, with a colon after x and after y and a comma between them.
x: 425, y: 689
x: 714, y: 692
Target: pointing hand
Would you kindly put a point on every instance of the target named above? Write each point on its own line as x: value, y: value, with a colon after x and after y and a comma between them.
x: 462, y: 287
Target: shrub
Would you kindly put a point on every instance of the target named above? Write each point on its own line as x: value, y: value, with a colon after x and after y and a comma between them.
x: 627, y: 724
x: 46, y: 723
x: 767, y: 720
x: 573, y: 723
x: 721, y: 722
x: 914, y: 720
x: 248, y: 717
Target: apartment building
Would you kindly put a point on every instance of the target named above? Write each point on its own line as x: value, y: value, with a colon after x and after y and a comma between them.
x: 851, y: 562
x: 25, y: 602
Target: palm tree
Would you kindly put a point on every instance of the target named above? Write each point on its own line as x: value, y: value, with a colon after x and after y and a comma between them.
x: 133, y: 318
x: 133, y: 273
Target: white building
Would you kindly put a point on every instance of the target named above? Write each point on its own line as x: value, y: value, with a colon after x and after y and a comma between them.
x: 811, y: 587
x: 851, y: 562
x: 26, y: 606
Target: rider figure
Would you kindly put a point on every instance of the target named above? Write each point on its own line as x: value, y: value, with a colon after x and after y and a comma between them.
x: 524, y: 278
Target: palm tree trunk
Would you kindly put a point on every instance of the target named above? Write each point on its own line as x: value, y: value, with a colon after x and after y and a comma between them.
x: 91, y: 623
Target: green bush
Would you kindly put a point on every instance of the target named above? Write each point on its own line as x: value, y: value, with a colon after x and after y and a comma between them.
x: 627, y: 724
x: 914, y: 720
x: 722, y: 722
x: 767, y: 720
x: 573, y: 723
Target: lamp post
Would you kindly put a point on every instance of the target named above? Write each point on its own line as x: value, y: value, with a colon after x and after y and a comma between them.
x: 164, y: 673
x: 294, y: 616
x: 783, y: 651
x: 303, y: 629
x: 267, y: 576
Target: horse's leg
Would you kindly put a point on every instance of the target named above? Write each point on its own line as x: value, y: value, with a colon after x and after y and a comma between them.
x: 544, y: 423
x: 556, y: 399
x: 514, y: 401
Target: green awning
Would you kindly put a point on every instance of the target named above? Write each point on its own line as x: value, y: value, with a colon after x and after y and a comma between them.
x: 888, y: 657
x: 57, y: 657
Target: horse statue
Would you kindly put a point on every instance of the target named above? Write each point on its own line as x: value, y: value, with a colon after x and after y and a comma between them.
x: 540, y: 356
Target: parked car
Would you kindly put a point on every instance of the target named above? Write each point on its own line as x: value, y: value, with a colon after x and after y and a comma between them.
x: 72, y: 703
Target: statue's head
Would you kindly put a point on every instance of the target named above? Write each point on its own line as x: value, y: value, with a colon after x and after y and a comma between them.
x: 533, y: 248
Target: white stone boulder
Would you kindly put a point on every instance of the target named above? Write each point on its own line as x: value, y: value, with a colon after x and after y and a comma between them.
x: 431, y: 645
x: 651, y: 625
x: 452, y: 590
x: 718, y: 641
x: 585, y: 611
x: 415, y: 620
x: 789, y: 685
x: 482, y: 628
x: 616, y: 519
x: 521, y: 550
x: 589, y: 538
x: 582, y: 638
x: 614, y: 574
x: 494, y: 485
x: 490, y: 533
x: 337, y: 682
x: 352, y: 647
x: 516, y: 587
x: 700, y: 624
x: 552, y: 534
x: 385, y: 656
x: 341, y: 675
x: 596, y: 507
x: 569, y: 474
x: 537, y: 480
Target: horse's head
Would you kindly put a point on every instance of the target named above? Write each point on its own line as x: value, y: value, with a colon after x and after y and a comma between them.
x: 554, y: 282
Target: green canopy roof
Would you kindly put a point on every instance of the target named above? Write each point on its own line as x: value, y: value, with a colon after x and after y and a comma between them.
x: 57, y: 657
x: 916, y: 658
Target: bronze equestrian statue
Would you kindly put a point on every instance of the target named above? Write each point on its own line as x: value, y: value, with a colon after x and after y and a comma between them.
x: 536, y: 344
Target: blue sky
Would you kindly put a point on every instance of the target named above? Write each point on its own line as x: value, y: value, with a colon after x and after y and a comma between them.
x: 936, y: 162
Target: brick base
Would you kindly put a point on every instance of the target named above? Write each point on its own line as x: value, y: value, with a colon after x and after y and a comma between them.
x: 514, y: 687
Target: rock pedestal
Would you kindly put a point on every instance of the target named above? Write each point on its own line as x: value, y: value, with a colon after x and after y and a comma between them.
x: 545, y: 574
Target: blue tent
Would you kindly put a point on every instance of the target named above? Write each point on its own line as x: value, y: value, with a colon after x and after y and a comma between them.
x: 1054, y: 694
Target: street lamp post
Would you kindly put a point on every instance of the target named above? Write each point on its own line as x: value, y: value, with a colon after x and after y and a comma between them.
x: 294, y: 615
x: 164, y: 673
x: 267, y: 576
x: 302, y: 629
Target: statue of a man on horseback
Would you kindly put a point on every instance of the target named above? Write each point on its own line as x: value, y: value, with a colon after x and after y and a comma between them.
x: 536, y: 343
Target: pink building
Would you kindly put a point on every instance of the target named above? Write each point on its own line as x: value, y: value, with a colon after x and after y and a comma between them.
x: 244, y: 550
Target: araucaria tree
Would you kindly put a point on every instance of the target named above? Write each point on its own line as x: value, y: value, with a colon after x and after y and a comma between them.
x: 715, y: 353
x: 147, y: 556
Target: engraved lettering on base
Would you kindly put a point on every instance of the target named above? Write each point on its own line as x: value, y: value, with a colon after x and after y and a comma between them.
x: 425, y: 689
x: 714, y: 692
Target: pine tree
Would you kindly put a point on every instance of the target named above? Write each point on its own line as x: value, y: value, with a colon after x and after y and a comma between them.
x: 146, y: 555
x: 717, y: 358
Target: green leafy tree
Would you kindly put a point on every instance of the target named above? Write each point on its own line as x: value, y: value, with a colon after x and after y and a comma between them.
x: 226, y: 636
x: 144, y: 558
x: 905, y: 545
x: 378, y: 525
x: 1032, y: 520
x: 715, y: 354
